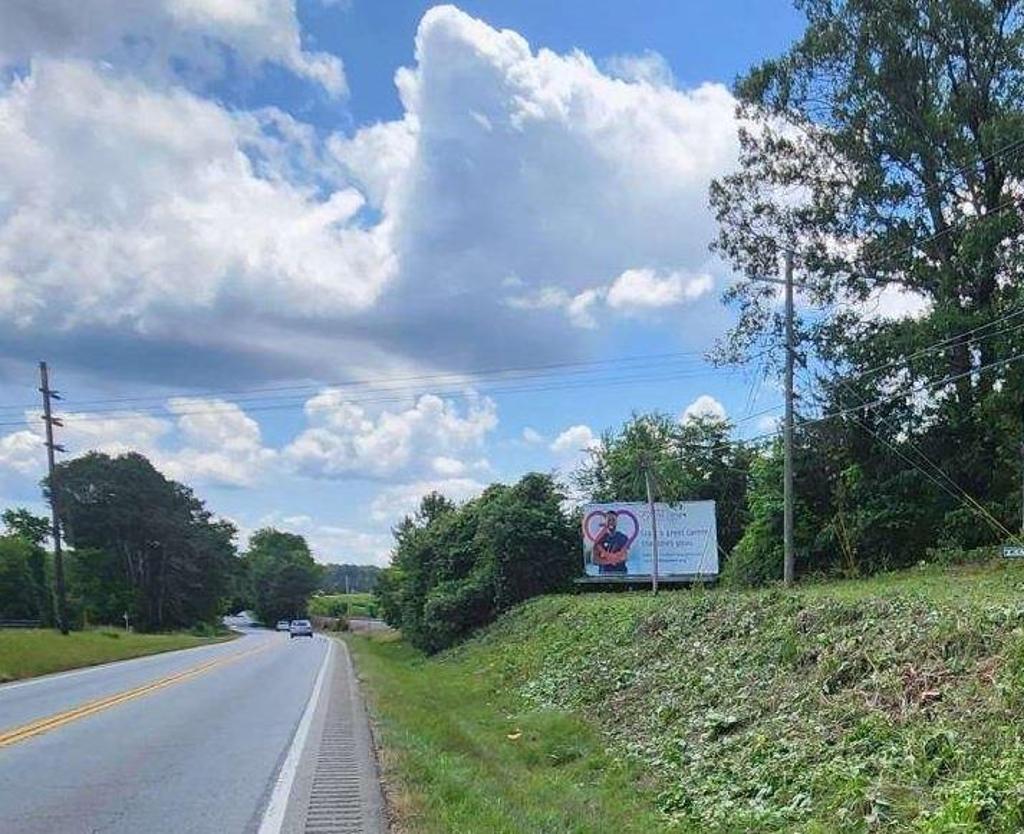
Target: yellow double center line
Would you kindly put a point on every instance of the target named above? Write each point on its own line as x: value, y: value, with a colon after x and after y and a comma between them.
x: 52, y: 722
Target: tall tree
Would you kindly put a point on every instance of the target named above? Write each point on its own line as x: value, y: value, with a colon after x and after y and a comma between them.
x: 173, y: 556
x: 283, y: 574
x: 886, y: 148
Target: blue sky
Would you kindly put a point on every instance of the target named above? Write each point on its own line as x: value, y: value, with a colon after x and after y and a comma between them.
x: 251, y: 254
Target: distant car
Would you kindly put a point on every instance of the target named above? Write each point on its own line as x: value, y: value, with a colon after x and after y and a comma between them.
x: 301, y: 628
x: 283, y: 625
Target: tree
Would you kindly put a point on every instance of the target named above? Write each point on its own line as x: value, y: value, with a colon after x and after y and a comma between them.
x: 455, y: 568
x: 20, y: 522
x: 691, y: 460
x: 354, y: 578
x: 24, y: 592
x: 886, y: 148
x: 283, y: 574
x: 167, y: 552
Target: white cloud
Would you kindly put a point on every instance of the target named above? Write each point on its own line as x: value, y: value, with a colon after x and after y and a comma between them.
x: 222, y: 444
x: 893, y: 302
x: 532, y: 436
x: 514, y: 162
x: 431, y: 435
x: 645, y: 289
x: 169, y: 221
x: 110, y: 204
x: 633, y: 292
x: 150, y: 35
x: 394, y: 503
x: 704, y: 406
x: 574, y: 440
x: 649, y: 67
x: 21, y: 452
x: 210, y: 442
x: 332, y: 543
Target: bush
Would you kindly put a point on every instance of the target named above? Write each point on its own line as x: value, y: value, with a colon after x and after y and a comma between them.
x: 456, y: 568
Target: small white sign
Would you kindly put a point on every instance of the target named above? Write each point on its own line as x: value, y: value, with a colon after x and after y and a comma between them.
x: 1013, y: 551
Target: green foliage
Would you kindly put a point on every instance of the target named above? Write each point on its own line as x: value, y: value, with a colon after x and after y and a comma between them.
x: 355, y: 579
x: 283, y: 575
x: 343, y: 605
x: 99, y: 588
x: 455, y: 568
x: 148, y: 544
x: 463, y: 756
x: 20, y: 522
x: 692, y: 460
x: 880, y: 118
x: 24, y: 592
x: 25, y: 653
x: 889, y: 704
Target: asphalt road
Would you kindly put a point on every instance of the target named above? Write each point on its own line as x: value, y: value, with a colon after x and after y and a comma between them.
x: 202, y: 740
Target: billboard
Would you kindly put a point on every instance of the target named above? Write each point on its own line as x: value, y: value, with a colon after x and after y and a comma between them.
x: 618, y: 540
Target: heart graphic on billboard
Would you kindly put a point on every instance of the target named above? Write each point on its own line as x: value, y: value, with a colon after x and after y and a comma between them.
x: 591, y: 531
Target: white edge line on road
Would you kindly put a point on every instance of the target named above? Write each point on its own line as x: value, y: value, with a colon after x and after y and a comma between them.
x: 273, y: 817
x: 134, y: 661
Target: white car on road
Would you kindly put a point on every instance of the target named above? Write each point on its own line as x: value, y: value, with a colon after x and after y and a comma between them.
x: 283, y: 625
x: 301, y: 628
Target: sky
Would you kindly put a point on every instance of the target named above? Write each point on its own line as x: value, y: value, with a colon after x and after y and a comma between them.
x: 317, y: 258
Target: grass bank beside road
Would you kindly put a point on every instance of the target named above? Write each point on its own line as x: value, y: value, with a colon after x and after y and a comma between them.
x: 27, y: 653
x: 894, y: 704
x: 461, y: 757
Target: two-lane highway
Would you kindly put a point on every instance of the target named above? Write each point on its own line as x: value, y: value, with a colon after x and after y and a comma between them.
x: 192, y: 741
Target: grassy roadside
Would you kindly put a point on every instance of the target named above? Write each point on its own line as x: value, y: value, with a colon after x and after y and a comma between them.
x: 27, y: 653
x: 893, y: 704
x: 461, y: 757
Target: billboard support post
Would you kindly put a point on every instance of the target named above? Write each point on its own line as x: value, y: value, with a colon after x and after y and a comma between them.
x: 654, y: 529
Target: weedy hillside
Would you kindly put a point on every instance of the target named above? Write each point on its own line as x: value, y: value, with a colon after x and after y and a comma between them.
x: 892, y: 704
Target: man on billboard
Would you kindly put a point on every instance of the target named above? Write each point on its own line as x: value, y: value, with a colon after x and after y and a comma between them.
x: 611, y: 546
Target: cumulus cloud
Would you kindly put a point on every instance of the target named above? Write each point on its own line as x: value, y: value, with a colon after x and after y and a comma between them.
x: 532, y: 436
x: 334, y: 543
x: 394, y: 503
x: 634, y: 291
x: 649, y: 66
x: 221, y: 443
x: 210, y: 442
x: 515, y: 162
x: 109, y: 204
x: 432, y: 435
x: 575, y: 439
x: 705, y: 406
x: 151, y: 35
x: 170, y: 221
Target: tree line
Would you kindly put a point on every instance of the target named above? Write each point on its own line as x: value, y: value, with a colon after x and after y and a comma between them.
x: 144, y: 546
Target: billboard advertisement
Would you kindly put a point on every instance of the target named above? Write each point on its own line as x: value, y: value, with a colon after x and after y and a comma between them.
x: 618, y: 539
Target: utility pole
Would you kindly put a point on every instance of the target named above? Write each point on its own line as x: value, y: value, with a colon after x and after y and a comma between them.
x: 789, y: 562
x: 51, y: 448
x: 654, y: 527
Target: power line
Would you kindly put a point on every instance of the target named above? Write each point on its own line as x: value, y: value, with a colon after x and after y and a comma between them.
x: 548, y: 386
x: 446, y: 377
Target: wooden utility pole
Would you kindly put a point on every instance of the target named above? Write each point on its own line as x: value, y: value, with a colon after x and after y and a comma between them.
x: 789, y: 562
x: 654, y: 527
x: 51, y: 448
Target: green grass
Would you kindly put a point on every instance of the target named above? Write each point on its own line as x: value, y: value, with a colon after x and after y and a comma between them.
x: 26, y: 653
x: 894, y: 704
x: 341, y: 605
x: 461, y: 758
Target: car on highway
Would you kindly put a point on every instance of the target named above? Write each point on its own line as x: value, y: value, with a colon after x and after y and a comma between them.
x: 283, y: 625
x: 301, y: 628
